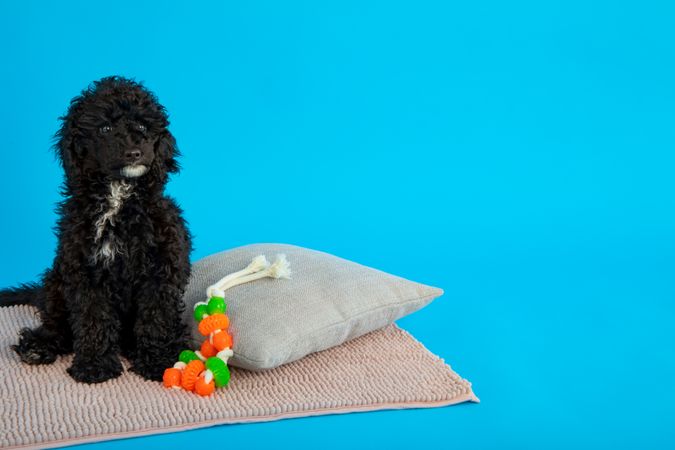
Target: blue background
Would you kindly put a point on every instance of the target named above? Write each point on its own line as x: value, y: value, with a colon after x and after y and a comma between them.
x: 517, y: 154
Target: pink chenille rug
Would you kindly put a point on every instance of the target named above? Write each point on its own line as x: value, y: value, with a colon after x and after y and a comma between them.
x: 41, y: 406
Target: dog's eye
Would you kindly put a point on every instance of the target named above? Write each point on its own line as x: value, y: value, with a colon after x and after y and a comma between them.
x: 140, y: 127
x: 106, y: 129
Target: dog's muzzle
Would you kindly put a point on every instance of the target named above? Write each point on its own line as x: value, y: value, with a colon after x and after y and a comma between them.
x: 134, y: 171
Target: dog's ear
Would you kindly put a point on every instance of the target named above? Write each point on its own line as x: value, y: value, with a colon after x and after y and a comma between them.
x: 67, y: 150
x: 167, y: 152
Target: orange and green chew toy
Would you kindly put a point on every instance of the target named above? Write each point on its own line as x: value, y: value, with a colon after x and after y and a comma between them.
x: 206, y: 369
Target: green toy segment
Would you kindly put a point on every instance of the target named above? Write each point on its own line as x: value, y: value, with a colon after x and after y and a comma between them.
x: 200, y: 311
x: 187, y: 355
x: 221, y: 373
x: 216, y: 306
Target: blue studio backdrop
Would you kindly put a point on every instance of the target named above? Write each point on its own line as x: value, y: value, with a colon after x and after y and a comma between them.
x: 520, y: 155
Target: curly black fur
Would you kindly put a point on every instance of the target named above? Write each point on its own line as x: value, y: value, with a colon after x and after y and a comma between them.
x: 122, y: 261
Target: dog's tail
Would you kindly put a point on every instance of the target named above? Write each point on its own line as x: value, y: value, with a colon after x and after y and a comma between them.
x: 24, y: 294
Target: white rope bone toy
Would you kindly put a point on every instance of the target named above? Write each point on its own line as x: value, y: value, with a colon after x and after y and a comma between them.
x: 206, y: 369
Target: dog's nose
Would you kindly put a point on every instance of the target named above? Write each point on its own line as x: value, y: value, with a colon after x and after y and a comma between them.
x: 133, y: 155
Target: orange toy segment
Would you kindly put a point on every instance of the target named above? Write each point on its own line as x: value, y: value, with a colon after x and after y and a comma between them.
x: 208, y: 350
x: 213, y: 323
x: 203, y: 388
x: 172, y: 377
x: 191, y: 373
x: 222, y: 340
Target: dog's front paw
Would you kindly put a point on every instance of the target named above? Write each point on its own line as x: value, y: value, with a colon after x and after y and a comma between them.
x: 95, y: 370
x: 151, y: 370
x: 152, y: 358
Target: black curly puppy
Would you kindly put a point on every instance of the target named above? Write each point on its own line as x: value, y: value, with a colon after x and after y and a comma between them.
x: 122, y: 261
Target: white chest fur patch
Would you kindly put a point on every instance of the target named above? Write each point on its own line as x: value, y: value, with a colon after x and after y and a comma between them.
x: 108, y: 247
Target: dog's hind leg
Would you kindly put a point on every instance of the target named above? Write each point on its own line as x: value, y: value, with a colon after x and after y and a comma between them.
x: 39, y: 345
x: 43, y: 344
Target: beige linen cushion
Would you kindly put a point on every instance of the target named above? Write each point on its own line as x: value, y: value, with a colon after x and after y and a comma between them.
x: 327, y: 301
